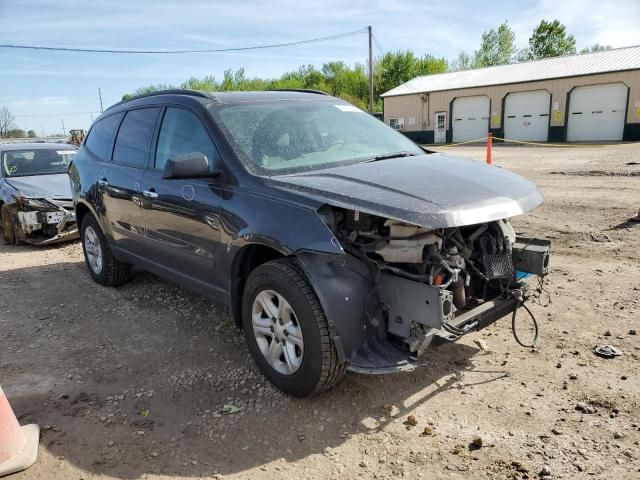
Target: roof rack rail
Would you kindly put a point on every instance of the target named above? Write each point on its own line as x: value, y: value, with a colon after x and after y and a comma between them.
x: 171, y: 91
x: 301, y: 90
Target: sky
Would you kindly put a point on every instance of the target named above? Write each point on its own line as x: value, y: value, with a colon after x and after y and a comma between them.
x: 44, y: 89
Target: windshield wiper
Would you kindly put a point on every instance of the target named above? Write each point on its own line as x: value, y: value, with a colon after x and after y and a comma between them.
x: 388, y: 156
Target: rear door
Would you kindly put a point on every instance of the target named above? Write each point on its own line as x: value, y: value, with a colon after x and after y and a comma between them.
x: 122, y: 184
x: 181, y: 215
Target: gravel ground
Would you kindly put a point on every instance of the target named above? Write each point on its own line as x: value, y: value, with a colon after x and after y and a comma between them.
x: 150, y: 381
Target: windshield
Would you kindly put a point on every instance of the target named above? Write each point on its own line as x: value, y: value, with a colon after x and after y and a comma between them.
x: 41, y: 161
x: 275, y: 138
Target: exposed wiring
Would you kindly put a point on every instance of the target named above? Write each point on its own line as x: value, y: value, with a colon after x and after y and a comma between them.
x: 540, y: 289
x: 519, y: 296
x: 174, y: 52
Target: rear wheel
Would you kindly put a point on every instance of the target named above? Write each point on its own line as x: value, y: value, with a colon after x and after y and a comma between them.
x: 103, y: 267
x: 286, y: 330
x: 7, y: 226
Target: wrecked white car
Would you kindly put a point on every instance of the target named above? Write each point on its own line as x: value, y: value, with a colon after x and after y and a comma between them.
x: 35, y: 196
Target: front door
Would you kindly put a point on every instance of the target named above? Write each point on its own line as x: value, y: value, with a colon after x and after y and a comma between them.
x: 121, y: 181
x: 181, y: 214
x: 440, y: 131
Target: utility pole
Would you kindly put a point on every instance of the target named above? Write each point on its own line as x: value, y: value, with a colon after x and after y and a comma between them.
x: 370, y: 71
x: 42, y: 129
x: 64, y: 132
x: 100, y: 95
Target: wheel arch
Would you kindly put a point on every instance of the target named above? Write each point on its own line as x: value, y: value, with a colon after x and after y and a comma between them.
x: 247, y: 259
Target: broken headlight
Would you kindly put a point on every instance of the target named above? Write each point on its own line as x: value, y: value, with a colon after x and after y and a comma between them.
x: 33, y: 202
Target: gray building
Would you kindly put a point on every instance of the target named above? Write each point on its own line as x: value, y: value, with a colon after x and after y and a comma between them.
x: 586, y: 97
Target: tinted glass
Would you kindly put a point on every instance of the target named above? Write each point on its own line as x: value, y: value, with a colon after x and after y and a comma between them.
x: 183, y: 132
x: 134, y: 137
x: 99, y: 140
x: 21, y: 163
x: 295, y: 136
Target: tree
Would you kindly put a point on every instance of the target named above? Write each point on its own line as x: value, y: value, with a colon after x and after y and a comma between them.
x: 497, y: 47
x: 6, y: 122
x: 521, y: 55
x: 596, y: 47
x: 396, y: 68
x: 16, y: 133
x: 550, y: 39
x: 32, y: 134
x: 463, y: 61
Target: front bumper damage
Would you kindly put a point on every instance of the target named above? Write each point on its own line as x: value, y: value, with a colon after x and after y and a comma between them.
x: 49, y: 221
x: 372, y: 322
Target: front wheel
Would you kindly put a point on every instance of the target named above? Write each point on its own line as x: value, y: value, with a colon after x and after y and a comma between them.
x: 103, y: 267
x: 286, y: 330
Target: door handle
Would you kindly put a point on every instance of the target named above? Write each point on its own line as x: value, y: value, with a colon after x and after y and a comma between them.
x: 150, y: 193
x: 103, y: 182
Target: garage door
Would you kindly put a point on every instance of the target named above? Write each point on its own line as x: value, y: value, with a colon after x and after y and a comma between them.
x: 596, y: 112
x: 470, y: 118
x: 526, y: 116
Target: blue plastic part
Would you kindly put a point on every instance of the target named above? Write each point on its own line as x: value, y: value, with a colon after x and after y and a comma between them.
x: 523, y: 275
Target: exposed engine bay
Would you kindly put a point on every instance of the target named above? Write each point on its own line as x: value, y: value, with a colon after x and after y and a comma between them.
x: 44, y: 221
x: 437, y: 282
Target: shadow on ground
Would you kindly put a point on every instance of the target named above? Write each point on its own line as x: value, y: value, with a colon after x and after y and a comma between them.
x: 132, y: 380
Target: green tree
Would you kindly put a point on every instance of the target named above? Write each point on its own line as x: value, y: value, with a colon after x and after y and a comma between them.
x: 596, y: 47
x: 32, y: 134
x: 550, y: 39
x: 396, y: 68
x: 497, y: 47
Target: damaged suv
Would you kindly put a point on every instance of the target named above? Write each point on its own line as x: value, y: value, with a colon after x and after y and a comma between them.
x: 35, y: 196
x: 338, y: 243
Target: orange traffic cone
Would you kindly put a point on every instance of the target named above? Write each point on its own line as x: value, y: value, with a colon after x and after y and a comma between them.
x: 489, y: 145
x: 636, y: 218
x: 18, y: 445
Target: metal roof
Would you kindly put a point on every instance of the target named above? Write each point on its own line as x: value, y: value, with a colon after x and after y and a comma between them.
x: 627, y: 58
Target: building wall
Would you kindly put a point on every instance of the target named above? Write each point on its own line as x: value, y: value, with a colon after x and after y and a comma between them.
x: 422, y: 107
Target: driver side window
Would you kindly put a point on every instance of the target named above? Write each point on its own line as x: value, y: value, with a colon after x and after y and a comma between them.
x: 183, y: 132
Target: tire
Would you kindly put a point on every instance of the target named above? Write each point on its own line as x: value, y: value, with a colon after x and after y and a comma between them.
x: 302, y: 372
x: 107, y: 271
x: 8, y: 229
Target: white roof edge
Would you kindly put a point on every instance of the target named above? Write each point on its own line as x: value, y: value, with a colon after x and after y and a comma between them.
x: 589, y: 63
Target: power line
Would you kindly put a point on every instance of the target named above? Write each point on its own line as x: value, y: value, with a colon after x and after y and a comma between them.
x: 54, y: 114
x: 173, y: 52
x: 375, y: 40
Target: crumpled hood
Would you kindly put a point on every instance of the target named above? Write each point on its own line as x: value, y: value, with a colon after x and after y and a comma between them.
x: 39, y: 186
x: 434, y: 191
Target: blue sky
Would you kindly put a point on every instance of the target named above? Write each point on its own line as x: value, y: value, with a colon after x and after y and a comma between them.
x: 44, y: 88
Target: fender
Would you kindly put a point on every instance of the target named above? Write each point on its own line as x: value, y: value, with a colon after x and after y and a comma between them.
x: 343, y: 285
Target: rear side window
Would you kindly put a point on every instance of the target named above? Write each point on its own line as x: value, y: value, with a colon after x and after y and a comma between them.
x: 183, y: 132
x: 99, y: 140
x: 134, y: 137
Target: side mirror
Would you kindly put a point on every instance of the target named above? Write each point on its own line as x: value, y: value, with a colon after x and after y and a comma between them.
x: 189, y: 165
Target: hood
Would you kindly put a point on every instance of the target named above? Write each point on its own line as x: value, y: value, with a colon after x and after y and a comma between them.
x: 433, y: 191
x: 40, y: 186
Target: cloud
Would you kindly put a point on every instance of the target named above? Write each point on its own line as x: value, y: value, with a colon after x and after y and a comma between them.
x: 441, y: 28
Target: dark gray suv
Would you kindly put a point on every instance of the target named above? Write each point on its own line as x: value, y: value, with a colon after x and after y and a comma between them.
x: 337, y: 242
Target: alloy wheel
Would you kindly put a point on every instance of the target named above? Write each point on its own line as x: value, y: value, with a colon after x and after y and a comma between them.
x: 277, y: 332
x: 93, y: 250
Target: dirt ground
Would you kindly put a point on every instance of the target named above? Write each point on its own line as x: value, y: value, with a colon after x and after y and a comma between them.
x: 130, y: 382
